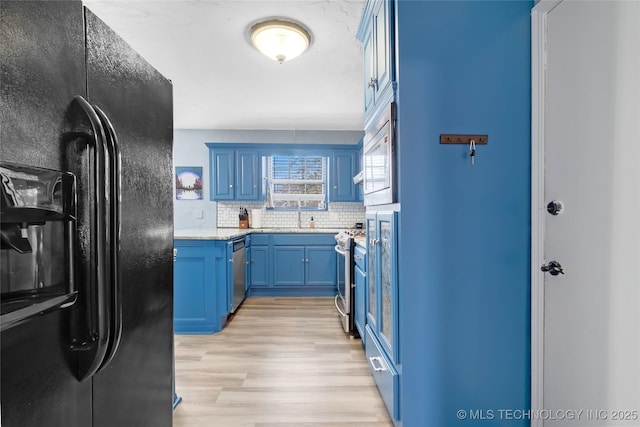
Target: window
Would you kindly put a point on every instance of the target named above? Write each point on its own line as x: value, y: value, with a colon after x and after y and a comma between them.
x: 297, y: 182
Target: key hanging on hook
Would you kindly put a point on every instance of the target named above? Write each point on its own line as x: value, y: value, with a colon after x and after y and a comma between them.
x: 472, y: 151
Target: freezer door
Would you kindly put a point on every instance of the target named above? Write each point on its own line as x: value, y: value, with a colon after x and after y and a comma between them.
x: 135, y: 389
x: 42, y: 51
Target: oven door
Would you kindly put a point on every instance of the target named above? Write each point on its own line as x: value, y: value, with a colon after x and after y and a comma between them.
x: 343, y: 298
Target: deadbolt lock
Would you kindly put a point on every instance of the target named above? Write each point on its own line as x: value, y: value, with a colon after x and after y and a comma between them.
x: 554, y: 207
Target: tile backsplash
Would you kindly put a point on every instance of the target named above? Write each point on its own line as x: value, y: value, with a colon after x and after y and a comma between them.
x: 338, y: 215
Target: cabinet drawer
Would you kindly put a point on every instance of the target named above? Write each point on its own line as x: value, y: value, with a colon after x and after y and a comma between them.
x: 304, y: 239
x: 260, y: 239
x: 359, y: 256
x: 383, y: 372
x: 186, y: 243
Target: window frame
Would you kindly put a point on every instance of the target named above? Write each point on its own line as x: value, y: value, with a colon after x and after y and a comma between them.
x: 268, y: 170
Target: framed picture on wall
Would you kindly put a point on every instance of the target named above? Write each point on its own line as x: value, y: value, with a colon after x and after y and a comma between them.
x: 188, y: 182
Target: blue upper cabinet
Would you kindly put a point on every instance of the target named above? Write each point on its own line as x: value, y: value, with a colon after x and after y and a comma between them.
x: 369, y: 67
x: 376, y: 35
x: 342, y: 171
x: 236, y: 169
x: 382, y: 26
x: 235, y: 174
x: 222, y: 174
x: 247, y: 175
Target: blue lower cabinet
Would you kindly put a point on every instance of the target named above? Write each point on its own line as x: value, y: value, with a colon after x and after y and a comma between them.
x: 381, y: 305
x: 360, y: 280
x: 288, y: 266
x: 320, y: 266
x: 384, y: 373
x: 361, y: 287
x: 259, y: 266
x: 293, y: 264
x: 200, y: 305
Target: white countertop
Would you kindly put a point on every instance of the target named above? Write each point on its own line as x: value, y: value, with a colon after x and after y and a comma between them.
x: 230, y: 233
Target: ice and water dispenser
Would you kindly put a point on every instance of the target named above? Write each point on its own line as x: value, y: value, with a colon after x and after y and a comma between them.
x: 38, y: 229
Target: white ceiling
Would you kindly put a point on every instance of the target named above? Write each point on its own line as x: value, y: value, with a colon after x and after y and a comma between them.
x: 221, y: 82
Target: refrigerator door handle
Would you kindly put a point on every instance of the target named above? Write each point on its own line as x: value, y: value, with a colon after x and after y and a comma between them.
x: 93, y: 349
x: 115, y: 180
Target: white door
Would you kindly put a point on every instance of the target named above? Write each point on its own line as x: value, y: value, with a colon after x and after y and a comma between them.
x: 590, y: 347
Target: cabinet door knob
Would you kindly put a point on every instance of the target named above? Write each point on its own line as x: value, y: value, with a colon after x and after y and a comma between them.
x: 230, y: 185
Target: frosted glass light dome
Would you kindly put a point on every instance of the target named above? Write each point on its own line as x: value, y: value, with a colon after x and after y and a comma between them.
x: 280, y: 40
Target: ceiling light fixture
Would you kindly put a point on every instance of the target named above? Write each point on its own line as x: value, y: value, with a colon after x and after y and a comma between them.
x: 280, y: 40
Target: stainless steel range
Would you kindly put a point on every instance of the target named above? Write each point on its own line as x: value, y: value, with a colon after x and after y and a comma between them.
x: 345, y: 300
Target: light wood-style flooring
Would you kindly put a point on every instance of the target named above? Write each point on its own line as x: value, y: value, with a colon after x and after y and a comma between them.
x: 280, y: 362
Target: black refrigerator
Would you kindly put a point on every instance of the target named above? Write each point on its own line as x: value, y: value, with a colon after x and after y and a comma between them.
x: 87, y: 310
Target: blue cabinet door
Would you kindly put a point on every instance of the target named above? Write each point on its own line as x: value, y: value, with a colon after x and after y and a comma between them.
x: 247, y: 175
x: 371, y: 305
x: 343, y: 168
x: 369, y: 68
x: 388, y: 284
x: 222, y: 170
x: 190, y: 292
x: 247, y: 269
x: 194, y: 301
x: 321, y: 265
x: 359, y: 167
x: 376, y: 35
x: 229, y: 277
x: 381, y: 23
x: 360, y: 291
x: 289, y: 265
x: 259, y: 265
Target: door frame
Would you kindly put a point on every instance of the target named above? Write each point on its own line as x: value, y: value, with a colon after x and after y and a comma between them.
x: 539, y: 15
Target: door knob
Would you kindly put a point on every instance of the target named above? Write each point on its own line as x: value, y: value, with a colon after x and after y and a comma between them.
x: 554, y: 268
x: 554, y: 207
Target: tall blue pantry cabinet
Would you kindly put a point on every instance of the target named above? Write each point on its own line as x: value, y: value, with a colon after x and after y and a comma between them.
x: 379, y: 328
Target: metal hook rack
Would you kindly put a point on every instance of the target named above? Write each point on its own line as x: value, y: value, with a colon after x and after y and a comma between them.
x: 447, y: 138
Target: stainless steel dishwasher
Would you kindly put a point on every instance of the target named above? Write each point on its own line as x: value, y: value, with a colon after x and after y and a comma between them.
x: 239, y: 266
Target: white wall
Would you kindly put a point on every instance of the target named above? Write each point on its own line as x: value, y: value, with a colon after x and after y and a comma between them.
x: 189, y: 149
